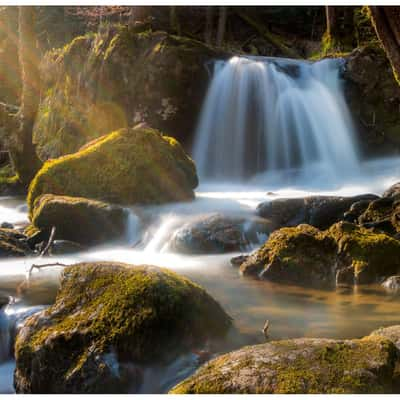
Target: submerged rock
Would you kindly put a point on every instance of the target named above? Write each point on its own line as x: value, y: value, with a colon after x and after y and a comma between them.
x: 392, y: 284
x: 108, y: 320
x: 318, y: 211
x: 299, y: 366
x: 13, y: 243
x: 78, y: 219
x: 128, y: 166
x: 219, y: 234
x: 344, y: 253
x: 60, y: 247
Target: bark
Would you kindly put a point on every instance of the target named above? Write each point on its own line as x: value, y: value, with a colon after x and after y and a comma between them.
x: 386, y: 21
x: 221, y: 25
x: 25, y: 160
x: 208, y: 28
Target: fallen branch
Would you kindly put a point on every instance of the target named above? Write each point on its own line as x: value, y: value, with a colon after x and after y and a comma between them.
x: 49, y: 243
x: 38, y: 266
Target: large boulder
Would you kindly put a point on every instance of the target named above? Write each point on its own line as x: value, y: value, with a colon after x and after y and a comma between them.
x: 78, y: 219
x: 373, y: 96
x: 345, y: 253
x: 299, y: 366
x: 218, y: 234
x: 117, y: 78
x: 318, y: 211
x: 108, y: 321
x: 128, y: 166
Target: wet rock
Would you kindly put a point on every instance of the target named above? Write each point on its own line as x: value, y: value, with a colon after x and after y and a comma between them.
x: 4, y: 300
x: 373, y: 96
x: 108, y: 321
x: 218, y: 234
x: 382, y: 215
x: 355, y: 211
x: 318, y: 211
x: 307, y: 256
x: 299, y: 366
x: 301, y: 255
x: 7, y: 225
x: 60, y: 247
x: 392, y: 284
x: 128, y: 166
x: 394, y: 190
x: 391, y: 333
x: 78, y: 219
x: 13, y: 243
x: 239, y: 260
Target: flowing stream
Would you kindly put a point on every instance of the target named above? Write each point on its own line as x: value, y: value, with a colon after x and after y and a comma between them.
x: 270, y: 128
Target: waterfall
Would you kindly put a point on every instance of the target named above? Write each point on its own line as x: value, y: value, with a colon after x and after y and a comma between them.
x: 275, y: 116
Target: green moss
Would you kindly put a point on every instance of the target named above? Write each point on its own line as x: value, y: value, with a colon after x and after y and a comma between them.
x: 127, y: 166
x: 294, y: 367
x: 141, y: 313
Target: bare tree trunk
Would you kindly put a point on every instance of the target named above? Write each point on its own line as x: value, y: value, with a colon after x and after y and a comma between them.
x: 386, y: 21
x: 221, y: 25
x: 25, y: 160
x: 208, y: 28
x: 174, y: 20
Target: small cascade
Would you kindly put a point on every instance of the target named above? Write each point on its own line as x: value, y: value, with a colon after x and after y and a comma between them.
x: 277, y: 116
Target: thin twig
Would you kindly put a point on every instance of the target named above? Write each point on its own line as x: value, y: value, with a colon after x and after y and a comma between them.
x: 49, y: 243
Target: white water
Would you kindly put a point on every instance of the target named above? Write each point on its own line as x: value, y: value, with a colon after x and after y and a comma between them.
x: 281, y: 116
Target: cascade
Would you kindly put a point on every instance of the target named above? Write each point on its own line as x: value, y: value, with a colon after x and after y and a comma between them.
x: 265, y: 115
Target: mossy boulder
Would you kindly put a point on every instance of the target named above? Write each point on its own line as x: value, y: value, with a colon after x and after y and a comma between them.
x: 13, y: 243
x: 299, y: 366
x: 344, y: 253
x: 302, y: 255
x: 117, y: 78
x: 218, y: 233
x: 128, y: 166
x: 109, y: 320
x: 78, y: 219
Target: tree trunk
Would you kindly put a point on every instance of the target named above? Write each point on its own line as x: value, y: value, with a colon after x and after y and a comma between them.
x: 174, y: 21
x: 23, y: 154
x: 221, y: 25
x: 339, y: 33
x: 386, y: 21
x: 208, y: 29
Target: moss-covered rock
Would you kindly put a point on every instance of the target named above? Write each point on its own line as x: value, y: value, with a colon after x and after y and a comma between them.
x: 13, y: 243
x: 307, y: 256
x: 302, y: 255
x: 299, y: 366
x: 128, y: 166
x: 116, y: 78
x: 78, y: 219
x: 109, y: 319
